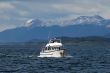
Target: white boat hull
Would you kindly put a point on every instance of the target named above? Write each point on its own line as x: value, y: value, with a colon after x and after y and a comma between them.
x: 53, y: 53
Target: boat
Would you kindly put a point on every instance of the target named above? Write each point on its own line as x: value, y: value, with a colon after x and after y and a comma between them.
x: 54, y: 48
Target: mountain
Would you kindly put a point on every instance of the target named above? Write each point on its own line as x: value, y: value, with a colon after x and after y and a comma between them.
x: 39, y: 29
x: 82, y: 39
x: 34, y: 23
x: 89, y: 20
x: 90, y: 40
x: 107, y: 35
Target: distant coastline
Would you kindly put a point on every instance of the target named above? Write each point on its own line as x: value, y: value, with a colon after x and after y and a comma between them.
x: 90, y: 40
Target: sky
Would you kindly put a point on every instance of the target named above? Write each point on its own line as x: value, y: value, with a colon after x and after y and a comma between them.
x: 14, y: 13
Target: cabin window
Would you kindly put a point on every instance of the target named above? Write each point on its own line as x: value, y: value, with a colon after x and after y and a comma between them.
x: 55, y: 48
x: 52, y: 48
x: 59, y: 48
x: 49, y: 48
x: 46, y: 48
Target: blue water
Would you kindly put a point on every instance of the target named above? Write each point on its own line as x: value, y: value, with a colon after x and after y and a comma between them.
x: 85, y: 59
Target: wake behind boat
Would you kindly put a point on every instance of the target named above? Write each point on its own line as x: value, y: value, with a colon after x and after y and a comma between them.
x: 53, y: 49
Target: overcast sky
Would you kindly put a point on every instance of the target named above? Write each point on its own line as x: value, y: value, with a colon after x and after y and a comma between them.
x: 14, y: 13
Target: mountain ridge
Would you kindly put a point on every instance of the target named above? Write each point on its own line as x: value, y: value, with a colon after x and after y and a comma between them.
x: 38, y: 29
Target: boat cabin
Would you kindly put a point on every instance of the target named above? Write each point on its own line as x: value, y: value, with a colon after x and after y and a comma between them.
x: 53, y: 45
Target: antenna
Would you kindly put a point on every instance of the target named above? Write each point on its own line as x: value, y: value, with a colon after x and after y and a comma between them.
x: 49, y: 36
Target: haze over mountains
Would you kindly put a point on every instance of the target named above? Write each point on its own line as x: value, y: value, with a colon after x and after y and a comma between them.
x: 41, y: 29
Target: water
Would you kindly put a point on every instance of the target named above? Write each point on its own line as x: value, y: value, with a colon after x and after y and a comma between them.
x: 85, y: 59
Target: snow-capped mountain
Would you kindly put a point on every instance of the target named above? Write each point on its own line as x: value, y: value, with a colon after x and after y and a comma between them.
x: 82, y: 20
x: 41, y: 29
x: 34, y: 23
x: 89, y: 20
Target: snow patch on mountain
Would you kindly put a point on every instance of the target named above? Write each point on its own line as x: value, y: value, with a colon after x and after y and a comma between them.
x: 34, y: 23
x: 82, y: 20
x: 88, y: 20
x: 29, y: 22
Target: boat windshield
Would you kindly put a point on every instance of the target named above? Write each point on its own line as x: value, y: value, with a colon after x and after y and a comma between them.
x: 55, y: 40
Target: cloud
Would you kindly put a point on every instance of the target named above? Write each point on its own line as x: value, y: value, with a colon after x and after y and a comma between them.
x: 78, y: 8
x: 17, y: 12
x: 4, y: 27
x: 108, y: 26
x: 6, y: 5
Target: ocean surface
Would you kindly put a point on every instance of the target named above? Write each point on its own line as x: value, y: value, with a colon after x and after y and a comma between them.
x: 85, y: 59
